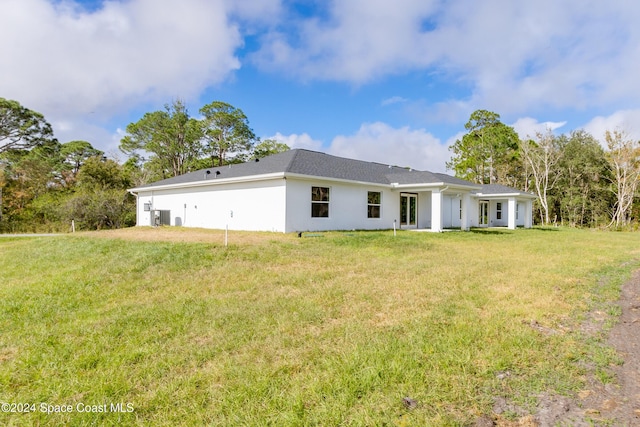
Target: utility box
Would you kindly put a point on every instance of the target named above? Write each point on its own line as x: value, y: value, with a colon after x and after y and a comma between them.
x: 159, y: 217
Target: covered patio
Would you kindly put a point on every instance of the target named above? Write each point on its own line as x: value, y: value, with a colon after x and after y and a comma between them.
x: 502, y: 206
x: 439, y: 208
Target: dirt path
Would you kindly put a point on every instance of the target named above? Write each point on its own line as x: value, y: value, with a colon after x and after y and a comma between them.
x: 615, y: 404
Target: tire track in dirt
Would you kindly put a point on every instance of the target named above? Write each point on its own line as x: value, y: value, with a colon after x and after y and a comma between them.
x: 616, y: 403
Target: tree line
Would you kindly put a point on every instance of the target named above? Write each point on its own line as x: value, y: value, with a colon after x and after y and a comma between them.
x: 176, y: 143
x: 45, y: 184
x: 579, y: 181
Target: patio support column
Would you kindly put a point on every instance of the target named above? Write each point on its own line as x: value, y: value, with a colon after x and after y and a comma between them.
x: 528, y: 214
x: 512, y: 213
x: 436, y: 211
x: 466, y: 207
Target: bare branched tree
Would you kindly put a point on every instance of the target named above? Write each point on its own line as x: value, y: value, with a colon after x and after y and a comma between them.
x: 624, y: 159
x: 542, y: 157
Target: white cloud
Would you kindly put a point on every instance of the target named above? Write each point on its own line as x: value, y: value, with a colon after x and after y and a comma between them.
x: 512, y: 56
x: 298, y: 141
x: 359, y: 40
x: 256, y: 12
x: 98, y: 136
x: 80, y: 68
x: 624, y: 120
x: 393, y: 100
x: 379, y: 142
x: 528, y: 127
x: 66, y: 62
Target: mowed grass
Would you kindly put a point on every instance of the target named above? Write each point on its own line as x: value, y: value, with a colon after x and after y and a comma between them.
x: 277, y: 330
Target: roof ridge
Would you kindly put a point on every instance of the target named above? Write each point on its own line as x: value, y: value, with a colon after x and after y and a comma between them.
x: 296, y: 151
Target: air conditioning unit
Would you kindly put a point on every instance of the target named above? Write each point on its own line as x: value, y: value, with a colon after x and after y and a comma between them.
x: 159, y: 218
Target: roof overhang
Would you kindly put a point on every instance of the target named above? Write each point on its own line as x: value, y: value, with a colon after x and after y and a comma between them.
x: 434, y: 185
x: 444, y: 186
x: 325, y: 178
x: 505, y: 195
x: 211, y: 182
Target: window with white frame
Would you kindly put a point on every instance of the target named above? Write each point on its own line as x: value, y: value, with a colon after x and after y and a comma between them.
x: 517, y: 211
x: 319, y: 202
x: 498, y: 210
x: 373, y: 204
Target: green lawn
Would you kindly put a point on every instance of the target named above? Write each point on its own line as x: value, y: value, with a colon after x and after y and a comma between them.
x: 286, y: 331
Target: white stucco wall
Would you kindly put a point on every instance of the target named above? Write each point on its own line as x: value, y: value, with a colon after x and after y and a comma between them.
x: 493, y: 213
x: 474, y: 212
x: 451, y: 211
x: 347, y: 206
x: 424, y: 209
x: 284, y: 205
x: 255, y: 206
x: 524, y: 215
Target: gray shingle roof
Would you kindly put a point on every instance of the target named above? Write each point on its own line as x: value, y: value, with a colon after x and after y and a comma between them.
x: 313, y: 163
x: 270, y: 164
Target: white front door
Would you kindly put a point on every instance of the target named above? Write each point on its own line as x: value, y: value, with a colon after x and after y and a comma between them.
x: 483, y: 220
x: 408, y: 210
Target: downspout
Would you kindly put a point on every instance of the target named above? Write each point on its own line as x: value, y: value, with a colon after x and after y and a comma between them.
x: 133, y: 193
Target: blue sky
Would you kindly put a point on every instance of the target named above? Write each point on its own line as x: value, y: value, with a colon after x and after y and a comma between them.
x: 393, y: 82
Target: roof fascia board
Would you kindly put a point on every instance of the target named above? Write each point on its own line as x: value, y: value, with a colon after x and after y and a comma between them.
x: 503, y: 195
x: 212, y: 181
x: 434, y: 185
x: 279, y: 175
x: 326, y: 178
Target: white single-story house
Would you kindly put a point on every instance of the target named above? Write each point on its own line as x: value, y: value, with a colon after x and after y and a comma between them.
x: 302, y: 190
